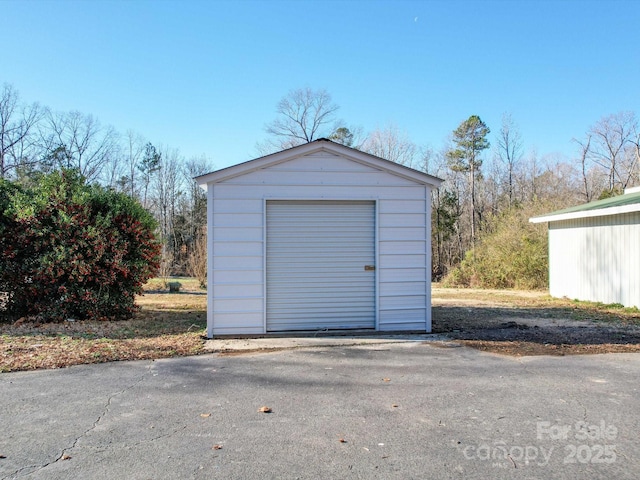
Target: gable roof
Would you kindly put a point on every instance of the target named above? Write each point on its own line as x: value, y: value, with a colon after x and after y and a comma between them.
x: 627, y: 203
x: 320, y: 145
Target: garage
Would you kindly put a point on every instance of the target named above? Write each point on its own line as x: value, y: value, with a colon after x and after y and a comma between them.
x: 320, y: 265
x: 318, y: 237
x: 593, y: 250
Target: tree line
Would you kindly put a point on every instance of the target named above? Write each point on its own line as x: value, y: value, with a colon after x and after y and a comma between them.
x: 481, y: 229
x: 493, y: 181
x: 36, y: 141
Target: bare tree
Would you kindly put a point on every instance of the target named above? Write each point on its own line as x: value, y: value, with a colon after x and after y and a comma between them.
x: 509, y: 151
x: 194, y: 228
x: 114, y: 169
x: 165, y: 191
x: 76, y: 140
x: 195, y: 196
x: 558, y: 183
x: 446, y: 214
x: 302, y: 116
x: 197, y: 260
x: 16, y: 127
x: 635, y: 153
x: 392, y: 144
x: 195, y: 200
x: 134, y: 146
x: 612, y: 149
x: 587, y: 173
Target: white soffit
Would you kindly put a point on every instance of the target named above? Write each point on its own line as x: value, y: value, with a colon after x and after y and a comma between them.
x: 316, y: 146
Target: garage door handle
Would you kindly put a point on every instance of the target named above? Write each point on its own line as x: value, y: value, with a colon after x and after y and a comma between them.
x: 369, y: 268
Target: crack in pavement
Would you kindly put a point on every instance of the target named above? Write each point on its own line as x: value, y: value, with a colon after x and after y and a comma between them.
x: 19, y: 471
x: 618, y: 452
x: 63, y: 453
x: 584, y: 409
x: 164, y: 435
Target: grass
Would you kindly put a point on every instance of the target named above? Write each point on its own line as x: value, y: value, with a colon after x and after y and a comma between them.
x: 608, y: 307
x: 534, y: 301
x: 167, y: 325
x: 173, y: 324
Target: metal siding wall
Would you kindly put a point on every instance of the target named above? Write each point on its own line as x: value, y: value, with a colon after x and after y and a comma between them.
x: 210, y: 257
x: 404, y: 255
x: 316, y: 256
x: 322, y: 162
x: 274, y: 177
x: 596, y: 259
x: 236, y: 279
x: 634, y: 260
x: 236, y: 229
x: 429, y: 267
x: 297, y: 191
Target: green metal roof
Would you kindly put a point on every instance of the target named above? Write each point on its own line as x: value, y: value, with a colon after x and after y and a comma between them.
x: 611, y: 205
x: 620, y: 200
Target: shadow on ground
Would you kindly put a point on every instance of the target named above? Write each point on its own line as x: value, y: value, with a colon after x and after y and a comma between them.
x: 522, y: 331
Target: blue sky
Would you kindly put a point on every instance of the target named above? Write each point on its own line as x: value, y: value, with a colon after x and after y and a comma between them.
x: 205, y: 76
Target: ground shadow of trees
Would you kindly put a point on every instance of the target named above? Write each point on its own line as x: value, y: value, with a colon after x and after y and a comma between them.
x: 554, y: 326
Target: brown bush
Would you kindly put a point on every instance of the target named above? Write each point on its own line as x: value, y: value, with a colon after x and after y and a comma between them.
x: 197, y: 260
x: 512, y: 253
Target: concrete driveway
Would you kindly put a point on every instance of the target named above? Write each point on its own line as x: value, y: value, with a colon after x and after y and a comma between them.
x: 384, y: 410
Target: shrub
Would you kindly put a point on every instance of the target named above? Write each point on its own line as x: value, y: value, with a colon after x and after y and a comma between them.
x: 73, y: 250
x: 512, y: 253
x: 197, y: 260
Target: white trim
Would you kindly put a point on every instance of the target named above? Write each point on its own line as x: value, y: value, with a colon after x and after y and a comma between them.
x: 376, y: 252
x: 210, y: 257
x: 601, y: 212
x: 376, y: 245
x: 371, y: 199
x: 429, y: 267
x: 316, y: 198
x: 315, y: 147
x: 264, y: 265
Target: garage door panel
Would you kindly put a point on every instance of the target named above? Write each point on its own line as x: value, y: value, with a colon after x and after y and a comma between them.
x: 316, y: 254
x: 354, y: 263
x: 324, y: 291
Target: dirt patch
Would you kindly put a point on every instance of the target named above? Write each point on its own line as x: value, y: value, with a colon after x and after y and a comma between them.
x: 38, y: 352
x: 532, y: 323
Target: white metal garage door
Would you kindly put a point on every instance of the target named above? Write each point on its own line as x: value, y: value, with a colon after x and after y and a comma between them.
x: 320, y: 265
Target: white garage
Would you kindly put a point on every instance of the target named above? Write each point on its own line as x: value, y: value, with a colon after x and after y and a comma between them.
x: 594, y: 250
x: 318, y: 237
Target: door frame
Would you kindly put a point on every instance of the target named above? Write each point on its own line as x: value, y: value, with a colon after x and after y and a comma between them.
x: 376, y: 250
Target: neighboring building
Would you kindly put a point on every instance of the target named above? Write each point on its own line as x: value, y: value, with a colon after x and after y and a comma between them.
x: 319, y: 236
x: 594, y: 250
